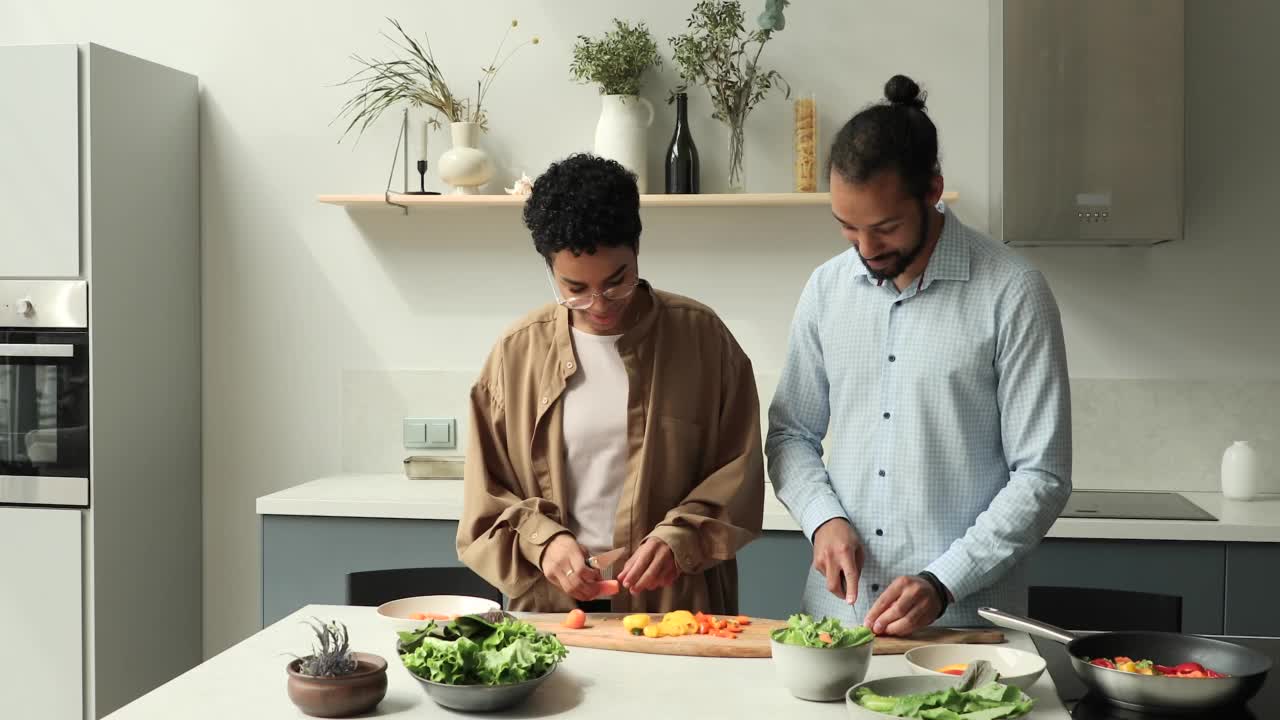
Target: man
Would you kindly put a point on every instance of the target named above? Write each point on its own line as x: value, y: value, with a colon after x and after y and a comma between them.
x: 618, y: 416
x: 934, y: 357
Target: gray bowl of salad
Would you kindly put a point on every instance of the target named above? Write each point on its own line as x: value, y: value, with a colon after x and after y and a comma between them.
x: 975, y: 696
x: 480, y: 663
x: 820, y: 660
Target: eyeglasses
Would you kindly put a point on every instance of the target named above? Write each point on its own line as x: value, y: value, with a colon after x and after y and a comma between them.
x: 582, y: 302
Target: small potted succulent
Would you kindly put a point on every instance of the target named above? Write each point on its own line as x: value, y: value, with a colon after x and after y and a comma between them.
x: 333, y: 682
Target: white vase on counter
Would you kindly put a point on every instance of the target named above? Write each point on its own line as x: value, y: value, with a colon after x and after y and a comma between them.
x: 620, y: 133
x: 465, y: 166
x: 1240, y: 472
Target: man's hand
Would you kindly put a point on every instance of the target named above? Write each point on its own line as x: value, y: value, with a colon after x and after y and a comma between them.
x: 564, y: 563
x: 908, y: 604
x: 653, y: 566
x: 838, y: 554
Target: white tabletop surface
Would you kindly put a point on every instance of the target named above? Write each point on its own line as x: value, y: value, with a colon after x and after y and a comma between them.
x: 247, y: 682
x: 396, y: 496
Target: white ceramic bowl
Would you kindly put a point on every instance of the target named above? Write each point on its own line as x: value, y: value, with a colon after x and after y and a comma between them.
x: 1016, y: 667
x: 399, y: 613
x: 822, y: 674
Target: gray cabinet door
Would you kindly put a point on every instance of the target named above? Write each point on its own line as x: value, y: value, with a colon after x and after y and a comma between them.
x: 39, y: 162
x: 1193, y: 570
x: 1253, y: 579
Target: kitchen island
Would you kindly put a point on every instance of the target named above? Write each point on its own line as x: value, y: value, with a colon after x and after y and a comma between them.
x: 247, y: 682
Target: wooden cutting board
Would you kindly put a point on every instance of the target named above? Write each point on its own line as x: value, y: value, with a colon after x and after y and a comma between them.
x: 605, y: 632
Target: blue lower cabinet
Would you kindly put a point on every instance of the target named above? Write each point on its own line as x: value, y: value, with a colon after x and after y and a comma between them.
x: 1195, y: 571
x: 1225, y: 587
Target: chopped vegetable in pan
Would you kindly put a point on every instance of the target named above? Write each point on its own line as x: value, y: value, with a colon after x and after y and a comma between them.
x: 1146, y: 667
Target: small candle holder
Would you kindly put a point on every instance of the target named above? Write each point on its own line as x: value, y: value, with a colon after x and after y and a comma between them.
x: 422, y: 181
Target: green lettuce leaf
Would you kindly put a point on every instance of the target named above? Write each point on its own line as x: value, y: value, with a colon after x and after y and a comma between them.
x: 803, y: 630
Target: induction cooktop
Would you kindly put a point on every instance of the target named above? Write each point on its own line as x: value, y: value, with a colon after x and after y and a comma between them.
x: 1132, y: 506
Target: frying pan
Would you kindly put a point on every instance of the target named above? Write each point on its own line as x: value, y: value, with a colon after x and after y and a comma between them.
x: 1247, y: 668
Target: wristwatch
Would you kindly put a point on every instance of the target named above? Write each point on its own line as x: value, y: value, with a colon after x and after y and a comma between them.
x: 939, y: 588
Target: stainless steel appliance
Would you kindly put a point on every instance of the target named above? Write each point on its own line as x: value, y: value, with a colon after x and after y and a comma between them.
x: 44, y: 393
x: 1087, y: 121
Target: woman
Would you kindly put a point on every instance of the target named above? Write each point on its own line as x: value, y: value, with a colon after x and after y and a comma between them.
x: 618, y: 417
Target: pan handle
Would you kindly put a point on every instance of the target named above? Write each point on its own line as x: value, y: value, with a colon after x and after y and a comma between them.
x: 1026, y: 625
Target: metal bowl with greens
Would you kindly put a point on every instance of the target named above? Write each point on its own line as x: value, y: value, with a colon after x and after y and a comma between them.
x: 480, y: 663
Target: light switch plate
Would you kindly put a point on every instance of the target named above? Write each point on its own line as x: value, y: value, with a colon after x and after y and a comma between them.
x: 432, y: 433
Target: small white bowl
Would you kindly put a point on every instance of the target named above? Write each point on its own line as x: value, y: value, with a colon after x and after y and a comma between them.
x: 821, y: 674
x: 399, y: 613
x: 1016, y: 667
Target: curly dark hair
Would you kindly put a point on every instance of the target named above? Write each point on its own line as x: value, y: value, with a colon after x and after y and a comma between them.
x: 581, y: 203
x: 894, y: 134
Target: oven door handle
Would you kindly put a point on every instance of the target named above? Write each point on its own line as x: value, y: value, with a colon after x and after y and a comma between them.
x: 37, y: 350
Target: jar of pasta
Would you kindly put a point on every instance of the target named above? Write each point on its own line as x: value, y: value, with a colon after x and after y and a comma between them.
x: 806, y: 143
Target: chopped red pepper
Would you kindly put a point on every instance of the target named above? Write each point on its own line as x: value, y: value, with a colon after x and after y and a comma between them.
x: 1103, y: 662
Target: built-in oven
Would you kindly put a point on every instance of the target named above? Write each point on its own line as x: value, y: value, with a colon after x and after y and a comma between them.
x: 44, y: 393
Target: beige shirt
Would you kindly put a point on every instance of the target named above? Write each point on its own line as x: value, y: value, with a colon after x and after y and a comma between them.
x: 694, y: 477
x: 595, y: 438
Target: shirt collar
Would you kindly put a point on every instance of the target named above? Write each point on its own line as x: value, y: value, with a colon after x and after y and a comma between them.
x: 630, y: 339
x: 950, y: 259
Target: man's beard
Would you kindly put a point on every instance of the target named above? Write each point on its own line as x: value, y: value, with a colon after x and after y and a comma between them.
x: 902, y: 260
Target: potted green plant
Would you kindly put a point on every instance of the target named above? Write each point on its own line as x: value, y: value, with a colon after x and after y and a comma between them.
x: 718, y: 53
x: 616, y: 62
x: 333, y: 681
x: 414, y: 77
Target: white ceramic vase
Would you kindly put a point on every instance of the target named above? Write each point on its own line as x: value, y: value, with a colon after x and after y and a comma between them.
x: 1240, y: 472
x: 465, y: 166
x: 620, y: 133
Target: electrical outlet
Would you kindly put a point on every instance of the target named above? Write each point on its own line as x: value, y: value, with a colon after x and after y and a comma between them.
x: 431, y: 433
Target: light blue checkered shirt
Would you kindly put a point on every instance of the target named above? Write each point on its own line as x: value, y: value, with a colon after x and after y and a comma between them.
x: 948, y: 408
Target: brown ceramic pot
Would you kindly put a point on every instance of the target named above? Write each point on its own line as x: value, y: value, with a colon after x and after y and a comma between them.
x: 339, y: 697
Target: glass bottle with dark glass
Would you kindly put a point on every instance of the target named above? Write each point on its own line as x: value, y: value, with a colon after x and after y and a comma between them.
x: 682, y: 156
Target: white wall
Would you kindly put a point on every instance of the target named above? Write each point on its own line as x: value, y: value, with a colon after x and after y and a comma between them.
x: 323, y: 328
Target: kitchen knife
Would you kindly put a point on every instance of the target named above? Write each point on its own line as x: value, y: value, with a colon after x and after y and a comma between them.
x: 602, y: 561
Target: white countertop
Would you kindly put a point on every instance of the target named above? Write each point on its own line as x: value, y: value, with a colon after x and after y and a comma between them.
x: 396, y: 496
x: 247, y: 682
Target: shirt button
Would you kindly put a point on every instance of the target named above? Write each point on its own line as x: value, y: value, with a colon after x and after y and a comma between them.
x: 893, y: 358
x: 879, y: 531
x: 533, y: 536
x: 886, y: 416
x: 544, y: 401
x: 569, y: 365
x: 881, y: 473
x: 875, y: 587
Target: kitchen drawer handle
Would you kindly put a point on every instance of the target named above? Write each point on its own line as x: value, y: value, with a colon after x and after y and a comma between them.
x: 37, y: 350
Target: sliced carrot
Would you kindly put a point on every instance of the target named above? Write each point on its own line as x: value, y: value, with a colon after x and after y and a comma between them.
x: 607, y: 588
x: 575, y: 620
x: 726, y: 634
x: 417, y: 616
x: 825, y: 638
x: 743, y: 620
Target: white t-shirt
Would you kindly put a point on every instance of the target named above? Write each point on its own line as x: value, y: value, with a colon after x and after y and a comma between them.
x: 595, y: 434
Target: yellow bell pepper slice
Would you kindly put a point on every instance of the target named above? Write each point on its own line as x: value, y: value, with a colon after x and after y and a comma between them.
x: 635, y: 623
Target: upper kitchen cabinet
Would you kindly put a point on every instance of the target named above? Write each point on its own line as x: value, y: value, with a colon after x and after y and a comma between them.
x: 39, y: 162
x: 1087, y: 121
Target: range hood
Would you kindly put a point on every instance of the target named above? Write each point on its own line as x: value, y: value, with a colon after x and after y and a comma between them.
x: 1087, y: 123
